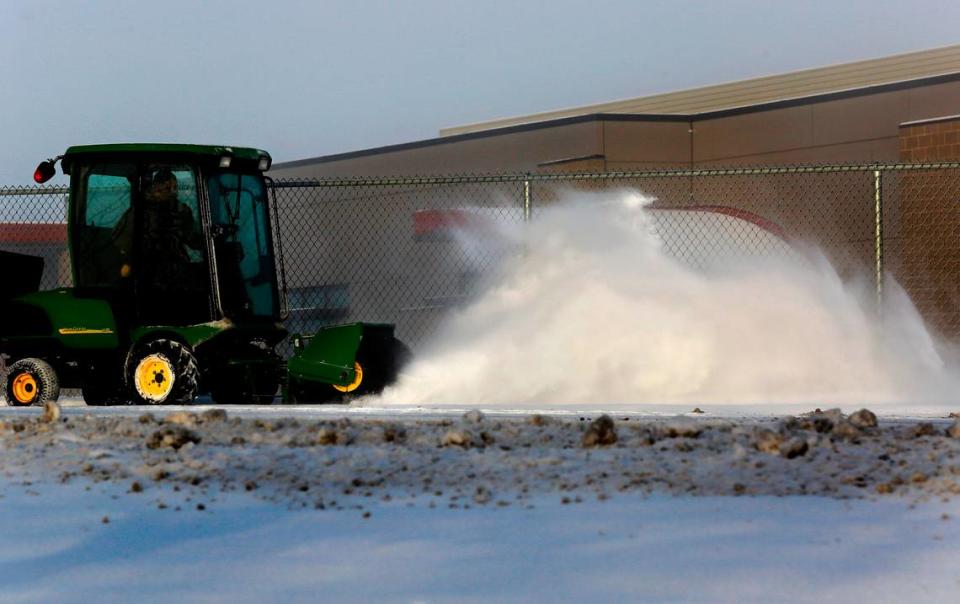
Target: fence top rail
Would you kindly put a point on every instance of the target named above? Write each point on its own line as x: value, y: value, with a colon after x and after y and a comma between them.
x: 284, y: 183
x: 32, y: 190
x: 386, y: 181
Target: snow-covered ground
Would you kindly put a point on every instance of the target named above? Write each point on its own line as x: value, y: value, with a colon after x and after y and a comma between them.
x: 247, y: 507
x: 375, y: 407
x: 57, y: 548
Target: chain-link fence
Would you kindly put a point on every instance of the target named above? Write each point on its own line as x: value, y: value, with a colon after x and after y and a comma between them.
x: 409, y: 250
x: 33, y: 222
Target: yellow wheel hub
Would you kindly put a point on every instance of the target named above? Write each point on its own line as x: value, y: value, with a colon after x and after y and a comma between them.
x: 25, y: 389
x: 153, y: 377
x: 356, y: 380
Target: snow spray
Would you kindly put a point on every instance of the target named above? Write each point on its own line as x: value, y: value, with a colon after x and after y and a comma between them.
x: 595, y: 308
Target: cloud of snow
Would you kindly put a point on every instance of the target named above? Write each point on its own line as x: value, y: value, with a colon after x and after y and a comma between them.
x: 603, y: 301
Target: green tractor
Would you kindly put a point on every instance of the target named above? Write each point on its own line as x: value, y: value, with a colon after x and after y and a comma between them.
x: 178, y: 291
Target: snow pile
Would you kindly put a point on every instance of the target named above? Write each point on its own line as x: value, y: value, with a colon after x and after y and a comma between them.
x: 596, y: 309
x: 478, y: 460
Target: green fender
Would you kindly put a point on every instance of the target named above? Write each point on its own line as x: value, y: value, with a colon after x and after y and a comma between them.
x: 329, y: 355
x: 192, y: 335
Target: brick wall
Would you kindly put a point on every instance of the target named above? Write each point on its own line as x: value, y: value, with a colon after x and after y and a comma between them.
x: 931, y: 140
x: 929, y: 205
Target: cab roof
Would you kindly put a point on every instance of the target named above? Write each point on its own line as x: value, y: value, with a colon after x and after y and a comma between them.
x: 162, y: 148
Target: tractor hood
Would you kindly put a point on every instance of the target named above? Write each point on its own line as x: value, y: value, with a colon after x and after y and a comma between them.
x: 59, y: 314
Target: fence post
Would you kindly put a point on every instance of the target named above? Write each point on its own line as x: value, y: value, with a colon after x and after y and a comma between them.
x: 878, y: 234
x: 527, y: 198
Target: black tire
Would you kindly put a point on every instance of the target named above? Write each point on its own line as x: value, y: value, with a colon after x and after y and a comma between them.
x: 161, y: 372
x: 384, y: 366
x: 381, y: 365
x: 31, y: 382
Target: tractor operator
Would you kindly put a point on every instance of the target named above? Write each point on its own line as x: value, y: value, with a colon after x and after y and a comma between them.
x: 169, y: 230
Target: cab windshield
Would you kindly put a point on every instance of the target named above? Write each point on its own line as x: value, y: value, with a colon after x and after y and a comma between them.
x: 244, y: 256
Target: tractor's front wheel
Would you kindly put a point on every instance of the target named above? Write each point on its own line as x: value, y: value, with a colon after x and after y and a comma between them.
x: 162, y: 372
x: 31, y: 382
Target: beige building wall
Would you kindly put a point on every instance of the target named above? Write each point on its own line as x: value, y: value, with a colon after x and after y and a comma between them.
x: 509, y: 152
x: 640, y: 145
x: 857, y: 129
x: 854, y: 127
x: 798, y: 85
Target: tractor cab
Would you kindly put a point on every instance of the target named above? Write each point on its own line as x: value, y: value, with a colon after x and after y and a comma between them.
x: 176, y: 234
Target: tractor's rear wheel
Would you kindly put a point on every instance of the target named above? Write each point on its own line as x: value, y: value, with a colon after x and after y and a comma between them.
x: 162, y: 372
x: 31, y: 382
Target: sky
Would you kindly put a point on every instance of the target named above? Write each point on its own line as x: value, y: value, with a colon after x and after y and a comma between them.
x: 310, y: 78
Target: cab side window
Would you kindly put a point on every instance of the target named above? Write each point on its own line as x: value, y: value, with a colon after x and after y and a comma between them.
x: 100, y: 250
